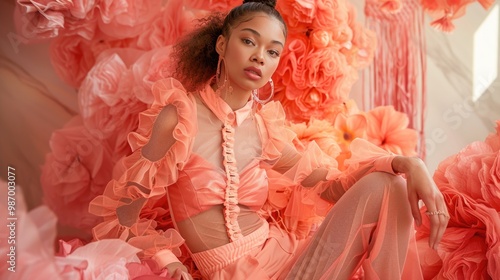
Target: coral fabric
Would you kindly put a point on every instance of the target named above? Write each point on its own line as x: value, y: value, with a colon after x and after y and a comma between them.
x: 470, y: 247
x: 221, y: 198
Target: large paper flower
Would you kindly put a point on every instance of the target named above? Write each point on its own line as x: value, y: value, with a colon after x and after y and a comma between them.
x: 320, y: 131
x: 220, y: 5
x: 494, y: 138
x: 311, y: 80
x: 149, y: 68
x: 35, y: 232
x: 76, y: 171
x: 44, y: 19
x: 474, y: 171
x: 469, y: 182
x: 127, y: 19
x: 461, y: 170
x: 465, y: 255
x: 489, y: 177
x: 361, y: 50
x: 167, y: 27
x: 331, y: 14
x: 107, y: 104
x: 303, y: 15
x: 470, y: 245
x: 388, y: 129
x: 72, y: 59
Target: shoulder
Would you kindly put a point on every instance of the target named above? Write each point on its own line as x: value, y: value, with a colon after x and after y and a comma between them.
x: 172, y: 115
x: 171, y: 91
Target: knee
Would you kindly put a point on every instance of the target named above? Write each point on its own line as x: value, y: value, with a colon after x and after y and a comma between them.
x: 386, y: 182
x: 386, y: 186
x: 396, y: 194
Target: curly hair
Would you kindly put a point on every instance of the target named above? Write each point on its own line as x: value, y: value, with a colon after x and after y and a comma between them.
x: 195, y: 55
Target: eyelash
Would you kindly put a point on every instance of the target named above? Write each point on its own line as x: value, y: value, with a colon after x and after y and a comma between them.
x: 247, y: 41
x: 273, y: 53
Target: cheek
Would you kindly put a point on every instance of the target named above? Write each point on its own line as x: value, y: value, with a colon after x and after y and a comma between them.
x: 272, y: 66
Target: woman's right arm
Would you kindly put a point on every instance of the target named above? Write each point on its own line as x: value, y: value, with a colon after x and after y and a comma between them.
x: 134, y: 206
x: 162, y: 135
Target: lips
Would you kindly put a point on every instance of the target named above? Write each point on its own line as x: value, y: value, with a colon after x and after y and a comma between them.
x: 253, y: 73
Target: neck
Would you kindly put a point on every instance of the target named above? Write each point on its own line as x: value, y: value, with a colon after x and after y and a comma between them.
x: 236, y: 99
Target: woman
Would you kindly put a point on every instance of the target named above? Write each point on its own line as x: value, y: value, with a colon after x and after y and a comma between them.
x: 207, y: 145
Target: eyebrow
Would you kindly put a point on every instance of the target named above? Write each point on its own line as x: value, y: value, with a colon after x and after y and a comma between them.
x: 258, y: 34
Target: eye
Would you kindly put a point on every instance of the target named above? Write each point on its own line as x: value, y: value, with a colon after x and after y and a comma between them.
x: 274, y: 53
x: 247, y: 41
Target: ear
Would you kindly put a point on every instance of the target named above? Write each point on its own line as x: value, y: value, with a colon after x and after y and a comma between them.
x: 220, y: 45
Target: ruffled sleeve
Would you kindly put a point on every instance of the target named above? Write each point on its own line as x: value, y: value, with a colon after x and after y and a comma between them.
x: 276, y: 137
x: 134, y: 204
x: 295, y: 207
x: 365, y: 158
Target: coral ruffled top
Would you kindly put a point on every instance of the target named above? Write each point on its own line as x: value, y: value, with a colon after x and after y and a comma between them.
x: 214, y: 181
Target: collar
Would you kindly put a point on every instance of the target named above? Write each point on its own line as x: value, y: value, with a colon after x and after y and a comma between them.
x: 222, y: 110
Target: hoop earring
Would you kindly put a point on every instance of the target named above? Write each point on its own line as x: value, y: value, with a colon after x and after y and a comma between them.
x: 217, y: 72
x: 255, y: 94
x: 225, y: 87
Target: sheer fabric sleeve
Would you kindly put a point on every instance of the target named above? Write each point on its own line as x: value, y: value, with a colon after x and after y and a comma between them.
x: 304, y: 182
x: 365, y: 158
x: 289, y: 164
x: 134, y: 206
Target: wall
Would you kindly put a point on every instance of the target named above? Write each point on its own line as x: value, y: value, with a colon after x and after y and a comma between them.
x: 453, y: 120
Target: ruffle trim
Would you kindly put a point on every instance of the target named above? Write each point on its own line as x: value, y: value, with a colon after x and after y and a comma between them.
x: 312, y: 158
x: 231, y: 208
x: 365, y: 158
x: 277, y: 135
x: 157, y: 175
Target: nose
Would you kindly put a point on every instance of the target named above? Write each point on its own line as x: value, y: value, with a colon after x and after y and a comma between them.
x: 258, y: 57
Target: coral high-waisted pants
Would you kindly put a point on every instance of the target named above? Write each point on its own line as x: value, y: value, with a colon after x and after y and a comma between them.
x: 369, y: 226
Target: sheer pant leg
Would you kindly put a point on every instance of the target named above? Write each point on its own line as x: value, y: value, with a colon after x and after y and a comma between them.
x: 370, y: 225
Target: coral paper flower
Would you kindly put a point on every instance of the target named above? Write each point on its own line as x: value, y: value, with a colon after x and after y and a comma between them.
x: 107, y: 104
x: 388, y: 129
x: 42, y: 19
x: 220, y: 5
x: 72, y: 59
x: 127, y: 19
x: 150, y: 67
x: 76, y: 171
x: 320, y: 131
x: 350, y: 127
x: 48, y: 19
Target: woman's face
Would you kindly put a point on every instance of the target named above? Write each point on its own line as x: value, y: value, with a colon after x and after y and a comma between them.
x: 252, y: 52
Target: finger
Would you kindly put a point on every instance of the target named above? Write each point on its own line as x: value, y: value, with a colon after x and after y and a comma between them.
x: 439, y: 221
x: 443, y: 223
x: 180, y: 274
x: 434, y: 228
x: 186, y: 276
x: 415, y: 210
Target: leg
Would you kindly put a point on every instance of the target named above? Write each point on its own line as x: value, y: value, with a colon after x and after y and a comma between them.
x: 370, y: 225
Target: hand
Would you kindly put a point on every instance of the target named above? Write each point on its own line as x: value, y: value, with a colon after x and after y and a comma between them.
x: 178, y: 271
x: 421, y: 186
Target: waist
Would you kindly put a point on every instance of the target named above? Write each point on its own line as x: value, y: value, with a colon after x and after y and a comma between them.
x: 207, y: 230
x: 214, y: 259
x: 194, y: 194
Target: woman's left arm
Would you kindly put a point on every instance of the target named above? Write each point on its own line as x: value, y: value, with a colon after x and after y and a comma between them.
x: 422, y: 187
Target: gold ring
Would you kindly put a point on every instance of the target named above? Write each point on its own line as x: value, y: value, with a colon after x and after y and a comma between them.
x: 438, y: 212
